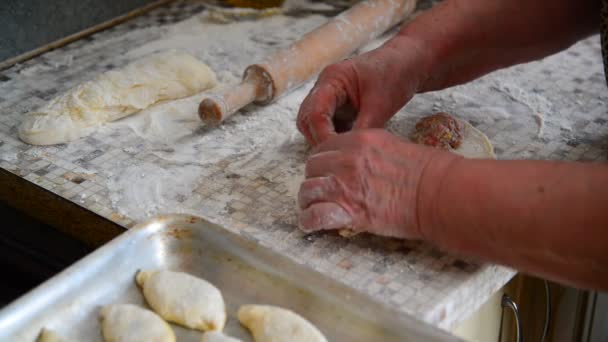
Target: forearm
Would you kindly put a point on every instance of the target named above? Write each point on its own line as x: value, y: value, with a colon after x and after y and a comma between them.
x: 546, y: 218
x: 465, y: 39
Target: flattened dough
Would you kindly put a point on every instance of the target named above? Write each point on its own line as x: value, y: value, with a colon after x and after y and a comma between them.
x: 216, y: 336
x: 184, y: 299
x: 48, y: 335
x: 130, y: 323
x: 115, y: 94
x: 475, y: 144
x: 273, y: 324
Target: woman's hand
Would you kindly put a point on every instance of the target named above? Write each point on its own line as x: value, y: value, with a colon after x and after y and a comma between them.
x: 363, y: 92
x: 369, y: 180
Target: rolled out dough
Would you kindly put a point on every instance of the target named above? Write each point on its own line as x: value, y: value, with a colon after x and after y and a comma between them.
x: 475, y: 144
x: 115, y: 94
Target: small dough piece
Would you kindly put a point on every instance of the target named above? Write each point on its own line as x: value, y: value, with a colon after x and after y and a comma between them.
x: 216, y: 336
x: 48, y: 335
x: 130, y: 323
x: 115, y: 94
x: 183, y: 299
x: 273, y: 324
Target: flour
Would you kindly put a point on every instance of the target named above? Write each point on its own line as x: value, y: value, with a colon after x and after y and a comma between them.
x: 215, y: 44
x: 9, y: 156
x: 225, y: 15
x: 306, y: 5
x: 141, y: 191
x: 53, y: 63
x: 540, y: 120
x: 538, y: 105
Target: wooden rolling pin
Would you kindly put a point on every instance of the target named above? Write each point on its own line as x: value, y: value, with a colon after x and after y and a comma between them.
x: 290, y: 67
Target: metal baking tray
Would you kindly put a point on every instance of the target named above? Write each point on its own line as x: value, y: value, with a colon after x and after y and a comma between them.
x: 244, y: 271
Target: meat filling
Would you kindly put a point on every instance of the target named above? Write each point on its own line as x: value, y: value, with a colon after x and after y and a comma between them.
x: 439, y: 130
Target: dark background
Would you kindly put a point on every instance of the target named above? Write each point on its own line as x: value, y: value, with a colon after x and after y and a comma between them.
x: 29, y: 24
x: 31, y: 252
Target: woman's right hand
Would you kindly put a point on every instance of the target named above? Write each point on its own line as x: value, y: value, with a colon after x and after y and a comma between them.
x: 364, y: 91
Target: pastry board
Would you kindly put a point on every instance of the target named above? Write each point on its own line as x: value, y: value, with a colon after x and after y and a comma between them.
x: 245, y: 272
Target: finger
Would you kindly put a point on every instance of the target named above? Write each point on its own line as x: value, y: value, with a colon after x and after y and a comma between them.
x: 320, y: 189
x: 317, y: 109
x: 326, y: 215
x: 321, y: 128
x: 303, y: 128
x: 321, y: 164
x: 314, y: 116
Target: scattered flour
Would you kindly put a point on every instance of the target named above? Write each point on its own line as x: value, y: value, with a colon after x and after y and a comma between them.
x: 9, y: 156
x: 53, y: 64
x: 141, y: 191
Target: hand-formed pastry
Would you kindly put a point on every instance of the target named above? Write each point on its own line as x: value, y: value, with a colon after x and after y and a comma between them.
x: 48, y: 335
x: 273, y: 324
x: 183, y: 299
x: 130, y: 323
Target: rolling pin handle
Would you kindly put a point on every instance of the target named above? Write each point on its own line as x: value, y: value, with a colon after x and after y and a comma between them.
x: 210, y: 110
x: 257, y: 86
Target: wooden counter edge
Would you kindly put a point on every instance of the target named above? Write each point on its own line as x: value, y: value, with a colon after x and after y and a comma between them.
x: 56, y: 211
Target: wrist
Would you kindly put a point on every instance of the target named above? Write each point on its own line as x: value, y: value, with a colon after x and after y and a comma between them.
x: 428, y: 199
x: 413, y: 60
